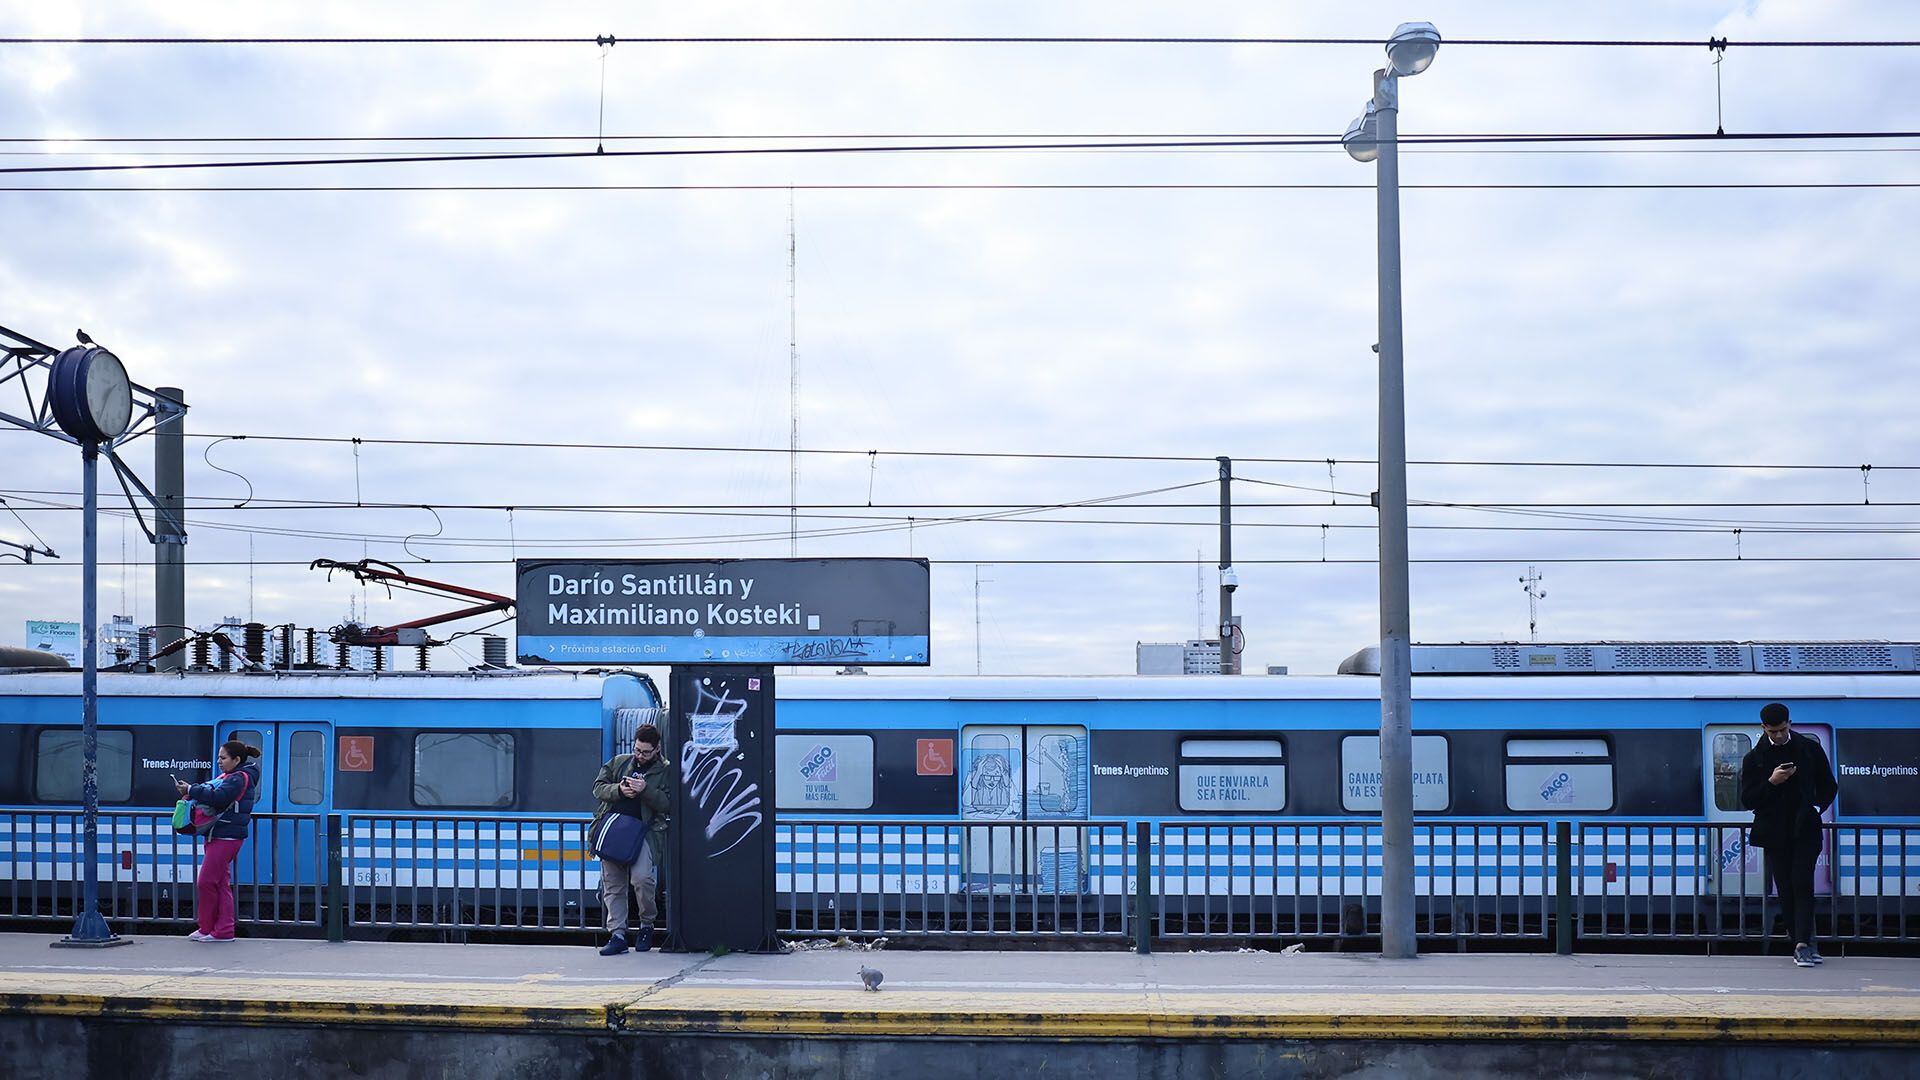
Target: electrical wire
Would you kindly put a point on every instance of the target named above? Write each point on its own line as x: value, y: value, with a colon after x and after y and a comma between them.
x: 1848, y: 185
x: 947, y: 39
x: 527, y: 444
x: 962, y: 148
x: 1518, y: 560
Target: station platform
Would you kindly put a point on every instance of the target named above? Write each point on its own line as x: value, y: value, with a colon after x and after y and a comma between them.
x: 1228, y: 1002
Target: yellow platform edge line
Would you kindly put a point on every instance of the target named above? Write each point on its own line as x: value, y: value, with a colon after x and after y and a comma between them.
x: 614, y: 1018
x: 310, y: 1013
x: 1385, y: 1027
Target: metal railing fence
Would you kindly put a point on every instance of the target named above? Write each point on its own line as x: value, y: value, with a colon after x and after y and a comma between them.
x: 1321, y: 879
x: 1545, y: 883
x: 1695, y: 881
x: 468, y: 872
x: 146, y: 871
x: 954, y: 879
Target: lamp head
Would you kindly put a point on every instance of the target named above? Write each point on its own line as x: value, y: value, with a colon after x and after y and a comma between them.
x: 1411, y: 48
x: 1362, y: 139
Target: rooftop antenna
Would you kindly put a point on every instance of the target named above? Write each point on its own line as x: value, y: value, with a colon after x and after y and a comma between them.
x: 1199, y: 596
x: 1535, y: 594
x: 977, y: 581
x: 793, y: 388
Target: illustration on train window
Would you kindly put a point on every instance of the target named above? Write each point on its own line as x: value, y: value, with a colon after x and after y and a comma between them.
x: 1010, y: 772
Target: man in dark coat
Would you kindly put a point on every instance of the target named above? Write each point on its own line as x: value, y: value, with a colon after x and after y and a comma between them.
x: 1787, y: 783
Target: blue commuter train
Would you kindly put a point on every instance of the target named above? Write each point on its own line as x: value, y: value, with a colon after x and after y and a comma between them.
x: 1653, y: 736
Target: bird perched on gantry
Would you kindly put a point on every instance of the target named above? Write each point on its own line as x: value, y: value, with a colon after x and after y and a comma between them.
x: 870, y: 978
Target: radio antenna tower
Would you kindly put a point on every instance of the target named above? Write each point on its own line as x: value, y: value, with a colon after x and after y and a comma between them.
x: 793, y: 389
x: 1199, y: 597
x: 1535, y: 594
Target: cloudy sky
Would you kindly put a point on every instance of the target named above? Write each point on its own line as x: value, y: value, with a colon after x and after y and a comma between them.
x: 633, y: 301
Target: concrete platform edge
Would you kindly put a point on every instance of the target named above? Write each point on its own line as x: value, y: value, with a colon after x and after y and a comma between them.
x: 662, y: 1017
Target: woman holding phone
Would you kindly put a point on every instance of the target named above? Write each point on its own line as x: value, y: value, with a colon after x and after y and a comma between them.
x: 231, y: 794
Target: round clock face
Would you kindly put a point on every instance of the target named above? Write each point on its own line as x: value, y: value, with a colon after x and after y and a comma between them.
x: 109, y: 394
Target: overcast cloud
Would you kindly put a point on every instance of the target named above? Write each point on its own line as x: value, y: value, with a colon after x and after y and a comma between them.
x: 1757, y: 326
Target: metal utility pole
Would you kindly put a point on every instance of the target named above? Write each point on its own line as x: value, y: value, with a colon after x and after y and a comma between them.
x: 977, y: 579
x: 170, y: 536
x: 1374, y: 137
x: 1396, y: 653
x: 1229, y: 581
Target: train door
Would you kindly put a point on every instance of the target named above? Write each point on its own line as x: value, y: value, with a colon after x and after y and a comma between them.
x: 294, y: 779
x: 1738, y: 870
x: 1025, y: 772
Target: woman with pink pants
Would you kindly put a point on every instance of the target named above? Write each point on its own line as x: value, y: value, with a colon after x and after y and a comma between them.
x: 231, y: 794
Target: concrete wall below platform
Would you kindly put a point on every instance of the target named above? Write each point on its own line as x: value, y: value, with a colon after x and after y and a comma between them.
x: 68, y: 1048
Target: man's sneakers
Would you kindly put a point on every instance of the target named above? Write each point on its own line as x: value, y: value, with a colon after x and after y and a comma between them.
x: 1813, y: 950
x: 643, y: 938
x: 198, y: 936
x: 615, y: 945
x: 1804, y: 956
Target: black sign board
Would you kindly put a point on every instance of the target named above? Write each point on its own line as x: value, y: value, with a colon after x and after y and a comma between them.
x: 724, y: 611
x: 720, y: 863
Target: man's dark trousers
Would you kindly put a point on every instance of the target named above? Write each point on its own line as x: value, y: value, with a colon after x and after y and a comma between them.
x: 1790, y: 868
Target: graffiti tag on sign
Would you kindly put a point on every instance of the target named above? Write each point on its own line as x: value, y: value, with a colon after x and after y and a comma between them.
x: 933, y: 757
x: 356, y: 753
x: 721, y: 792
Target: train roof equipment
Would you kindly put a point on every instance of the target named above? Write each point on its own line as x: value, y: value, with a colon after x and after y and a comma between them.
x: 1652, y: 658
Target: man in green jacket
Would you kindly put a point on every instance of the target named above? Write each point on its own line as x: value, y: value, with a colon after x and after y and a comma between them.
x: 639, y: 784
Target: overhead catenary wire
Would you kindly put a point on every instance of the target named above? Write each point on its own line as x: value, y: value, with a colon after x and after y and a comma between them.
x: 944, y: 148
x: 1517, y: 560
x: 1819, y: 185
x: 896, y: 521
x: 868, y: 452
x: 960, y: 39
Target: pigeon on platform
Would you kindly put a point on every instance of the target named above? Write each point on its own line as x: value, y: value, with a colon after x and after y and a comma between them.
x: 82, y: 336
x: 870, y: 978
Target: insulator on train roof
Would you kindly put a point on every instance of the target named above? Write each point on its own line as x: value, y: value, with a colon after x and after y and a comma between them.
x: 493, y: 650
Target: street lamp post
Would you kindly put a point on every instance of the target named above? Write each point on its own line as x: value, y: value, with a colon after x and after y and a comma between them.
x: 1374, y: 137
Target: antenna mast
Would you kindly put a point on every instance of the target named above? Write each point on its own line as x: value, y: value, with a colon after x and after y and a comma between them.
x: 1535, y: 594
x: 793, y: 389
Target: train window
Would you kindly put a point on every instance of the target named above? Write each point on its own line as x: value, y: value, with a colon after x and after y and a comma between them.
x: 1729, y: 750
x: 307, y: 769
x: 463, y: 769
x: 1559, y: 774
x: 823, y: 772
x: 1360, y: 773
x: 58, y: 764
x: 1243, y: 776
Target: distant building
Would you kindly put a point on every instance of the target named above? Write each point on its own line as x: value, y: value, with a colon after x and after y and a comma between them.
x: 119, y: 640
x: 1176, y: 658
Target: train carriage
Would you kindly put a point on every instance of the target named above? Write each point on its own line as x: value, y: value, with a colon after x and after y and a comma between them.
x: 897, y: 791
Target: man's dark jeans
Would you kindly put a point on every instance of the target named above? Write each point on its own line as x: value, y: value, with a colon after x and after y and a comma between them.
x: 1790, y: 869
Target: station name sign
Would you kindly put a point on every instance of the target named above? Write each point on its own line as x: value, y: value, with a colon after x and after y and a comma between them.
x: 724, y: 611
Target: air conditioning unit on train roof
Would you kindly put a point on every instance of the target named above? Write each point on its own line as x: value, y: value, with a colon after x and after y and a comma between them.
x: 1647, y: 658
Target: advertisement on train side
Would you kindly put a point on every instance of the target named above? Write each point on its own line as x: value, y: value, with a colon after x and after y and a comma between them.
x: 806, y: 612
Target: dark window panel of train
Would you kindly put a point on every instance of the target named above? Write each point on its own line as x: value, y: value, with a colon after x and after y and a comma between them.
x: 455, y: 770
x: 135, y: 767
x: 58, y: 754
x: 553, y: 771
